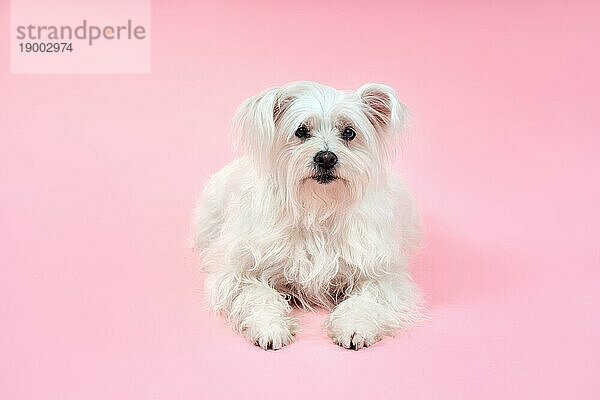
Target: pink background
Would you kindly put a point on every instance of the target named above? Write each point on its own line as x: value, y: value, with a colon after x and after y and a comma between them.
x: 100, y: 298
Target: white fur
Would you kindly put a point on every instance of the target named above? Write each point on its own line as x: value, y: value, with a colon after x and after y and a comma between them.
x: 265, y: 230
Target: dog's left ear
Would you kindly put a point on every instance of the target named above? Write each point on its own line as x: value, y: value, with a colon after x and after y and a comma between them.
x: 254, y: 124
x: 382, y: 107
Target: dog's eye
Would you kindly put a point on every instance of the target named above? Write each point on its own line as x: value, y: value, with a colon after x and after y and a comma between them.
x: 348, y: 133
x: 302, y: 132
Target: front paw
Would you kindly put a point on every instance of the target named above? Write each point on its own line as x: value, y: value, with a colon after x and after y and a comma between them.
x: 354, y: 325
x: 272, y: 334
x: 353, y: 334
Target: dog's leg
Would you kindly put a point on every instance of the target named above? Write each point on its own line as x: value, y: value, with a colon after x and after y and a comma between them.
x: 376, y: 308
x: 254, y: 308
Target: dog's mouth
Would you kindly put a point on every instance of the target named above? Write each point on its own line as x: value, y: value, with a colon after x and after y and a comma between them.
x: 324, y: 178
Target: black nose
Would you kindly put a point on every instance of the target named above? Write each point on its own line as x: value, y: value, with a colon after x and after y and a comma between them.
x: 325, y: 159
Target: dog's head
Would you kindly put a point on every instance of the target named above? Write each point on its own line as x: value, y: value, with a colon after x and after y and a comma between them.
x: 308, y: 136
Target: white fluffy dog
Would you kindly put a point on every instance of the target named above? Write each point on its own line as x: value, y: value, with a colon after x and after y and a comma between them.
x: 312, y: 215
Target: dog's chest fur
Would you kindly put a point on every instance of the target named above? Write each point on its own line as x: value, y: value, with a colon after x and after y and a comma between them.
x: 319, y: 263
x: 313, y: 267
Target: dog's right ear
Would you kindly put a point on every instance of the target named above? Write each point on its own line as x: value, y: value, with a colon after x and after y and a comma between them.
x: 254, y: 124
x: 383, y: 108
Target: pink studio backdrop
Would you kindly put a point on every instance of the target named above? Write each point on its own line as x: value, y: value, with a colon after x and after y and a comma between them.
x: 101, y: 299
